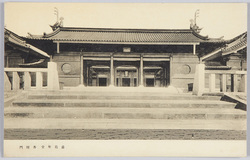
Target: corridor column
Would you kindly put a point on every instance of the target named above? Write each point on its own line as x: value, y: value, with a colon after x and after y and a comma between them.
x: 112, y: 71
x: 141, y: 71
x: 81, y: 75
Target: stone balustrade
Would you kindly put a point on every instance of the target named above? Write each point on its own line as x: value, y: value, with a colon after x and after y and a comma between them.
x: 31, y: 78
x: 215, y: 81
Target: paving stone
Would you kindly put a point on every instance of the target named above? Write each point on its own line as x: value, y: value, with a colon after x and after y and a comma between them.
x: 124, y: 134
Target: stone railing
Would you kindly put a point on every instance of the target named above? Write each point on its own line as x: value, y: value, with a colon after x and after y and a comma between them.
x: 214, y: 81
x: 31, y: 78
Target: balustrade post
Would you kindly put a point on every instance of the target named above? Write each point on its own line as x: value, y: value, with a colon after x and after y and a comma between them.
x: 39, y: 80
x: 243, y: 83
x: 224, y: 83
x: 199, y: 79
x: 53, y: 79
x: 15, y: 81
x: 212, y: 82
x: 27, y: 80
x: 7, y: 84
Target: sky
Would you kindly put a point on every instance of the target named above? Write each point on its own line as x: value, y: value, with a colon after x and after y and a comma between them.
x: 216, y: 19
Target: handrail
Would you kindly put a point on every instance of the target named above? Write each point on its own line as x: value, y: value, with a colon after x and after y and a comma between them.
x: 25, y: 70
x: 225, y: 72
x: 219, y: 80
x: 22, y: 78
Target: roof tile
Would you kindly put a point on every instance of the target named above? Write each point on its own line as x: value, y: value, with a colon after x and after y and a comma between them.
x: 125, y: 35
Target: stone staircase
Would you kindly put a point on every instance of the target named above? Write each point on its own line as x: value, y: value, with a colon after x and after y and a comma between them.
x: 105, y: 109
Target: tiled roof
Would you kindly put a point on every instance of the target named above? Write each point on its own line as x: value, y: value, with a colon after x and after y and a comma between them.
x: 236, y: 45
x: 232, y: 46
x: 124, y: 36
x: 13, y: 38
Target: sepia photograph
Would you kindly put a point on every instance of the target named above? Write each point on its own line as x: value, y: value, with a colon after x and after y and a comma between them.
x: 125, y: 79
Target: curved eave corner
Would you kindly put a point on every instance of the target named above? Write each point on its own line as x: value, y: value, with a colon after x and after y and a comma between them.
x: 45, y: 35
x: 40, y: 52
x: 207, y: 39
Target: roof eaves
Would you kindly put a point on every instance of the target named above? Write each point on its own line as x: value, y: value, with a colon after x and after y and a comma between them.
x: 45, y: 35
x: 212, y: 54
x: 233, y: 51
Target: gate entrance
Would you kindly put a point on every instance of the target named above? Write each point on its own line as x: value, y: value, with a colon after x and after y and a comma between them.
x: 126, y: 76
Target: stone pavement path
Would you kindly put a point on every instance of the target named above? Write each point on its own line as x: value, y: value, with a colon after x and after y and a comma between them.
x: 124, y: 134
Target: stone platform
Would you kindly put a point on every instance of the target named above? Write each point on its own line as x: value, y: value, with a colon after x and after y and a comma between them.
x: 121, y: 110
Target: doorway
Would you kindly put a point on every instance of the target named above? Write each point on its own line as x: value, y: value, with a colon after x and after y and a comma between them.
x: 126, y: 76
x: 126, y: 82
x: 150, y: 82
x: 102, y: 81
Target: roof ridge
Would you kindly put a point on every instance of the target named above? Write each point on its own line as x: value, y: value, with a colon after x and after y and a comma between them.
x: 122, y: 29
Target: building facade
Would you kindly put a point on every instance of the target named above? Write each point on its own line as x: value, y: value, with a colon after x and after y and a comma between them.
x: 121, y: 57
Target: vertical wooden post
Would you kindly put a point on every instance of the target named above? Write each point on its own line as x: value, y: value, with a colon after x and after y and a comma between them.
x: 15, y: 81
x: 170, y: 70
x: 81, y: 74
x: 27, y: 80
x: 57, y: 47
x: 111, y: 70
x: 194, y: 49
x: 39, y: 80
x: 212, y: 82
x: 87, y: 74
x: 141, y: 71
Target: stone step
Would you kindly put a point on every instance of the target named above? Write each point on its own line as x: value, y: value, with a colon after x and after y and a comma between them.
x: 124, y: 113
x: 124, y: 103
x: 124, y: 96
x: 69, y: 123
x: 166, y: 90
x: 138, y: 96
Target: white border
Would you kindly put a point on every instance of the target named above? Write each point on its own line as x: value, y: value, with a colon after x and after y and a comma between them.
x: 148, y: 1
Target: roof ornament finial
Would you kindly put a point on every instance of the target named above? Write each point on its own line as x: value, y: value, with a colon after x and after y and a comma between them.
x: 193, y: 24
x: 59, y: 22
x: 56, y: 13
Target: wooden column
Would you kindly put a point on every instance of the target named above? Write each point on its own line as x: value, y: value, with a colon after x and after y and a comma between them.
x: 111, y: 70
x: 194, y: 49
x: 141, y: 71
x: 57, y: 47
x: 87, y: 74
x: 170, y: 70
x: 81, y: 74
